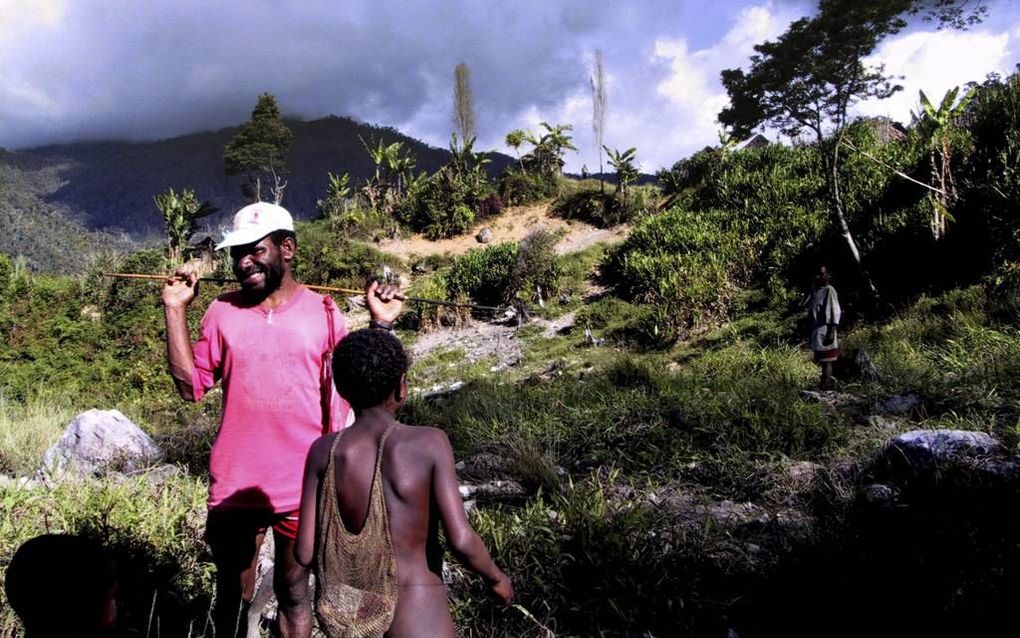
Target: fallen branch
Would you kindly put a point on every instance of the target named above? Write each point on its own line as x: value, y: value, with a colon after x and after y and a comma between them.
x: 895, y: 170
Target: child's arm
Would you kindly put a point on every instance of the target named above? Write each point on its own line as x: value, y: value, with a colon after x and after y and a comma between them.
x: 463, y: 539
x: 315, y: 465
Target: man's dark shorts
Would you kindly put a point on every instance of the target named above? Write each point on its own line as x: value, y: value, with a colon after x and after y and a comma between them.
x: 231, y: 533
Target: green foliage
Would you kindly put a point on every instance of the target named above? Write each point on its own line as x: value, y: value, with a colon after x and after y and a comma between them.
x: 180, y: 212
x: 444, y: 204
x: 6, y: 272
x: 988, y: 233
x: 726, y: 407
x: 546, y: 156
x: 813, y: 72
x: 325, y: 260
x: 811, y: 76
x: 428, y: 317
x: 484, y: 275
x: 394, y: 175
x: 338, y: 208
x: 684, y: 263
x: 517, y: 188
x: 37, y: 226
x: 599, y: 209
x: 537, y: 267
x: 590, y: 559
x: 152, y: 528
x: 951, y: 349
x: 515, y: 139
x: 260, y: 148
x: 623, y: 163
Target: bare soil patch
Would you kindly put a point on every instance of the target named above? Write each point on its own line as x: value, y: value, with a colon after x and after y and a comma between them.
x: 511, y: 225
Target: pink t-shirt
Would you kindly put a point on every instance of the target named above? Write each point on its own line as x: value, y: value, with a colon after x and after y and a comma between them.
x: 276, y: 389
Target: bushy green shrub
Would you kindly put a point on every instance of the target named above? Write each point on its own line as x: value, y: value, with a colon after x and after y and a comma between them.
x: 442, y: 206
x: 685, y: 263
x: 536, y: 267
x: 483, y: 275
x: 517, y: 188
x: 6, y: 271
x: 325, y: 259
x: 428, y: 317
x: 598, y: 209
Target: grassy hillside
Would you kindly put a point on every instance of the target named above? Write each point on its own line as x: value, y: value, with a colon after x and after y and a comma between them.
x: 47, y: 235
x: 667, y: 466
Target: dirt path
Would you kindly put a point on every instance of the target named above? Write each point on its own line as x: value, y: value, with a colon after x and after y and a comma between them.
x: 499, y: 341
x: 511, y: 225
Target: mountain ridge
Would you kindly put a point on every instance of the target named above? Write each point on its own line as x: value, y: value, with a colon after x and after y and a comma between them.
x: 108, y: 185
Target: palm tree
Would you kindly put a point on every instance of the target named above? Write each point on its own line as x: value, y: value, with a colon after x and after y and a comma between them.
x: 514, y: 139
x: 626, y: 172
x: 557, y: 141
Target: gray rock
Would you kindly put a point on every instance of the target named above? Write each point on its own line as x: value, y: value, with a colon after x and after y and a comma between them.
x: 484, y: 236
x: 804, y: 475
x: 878, y: 495
x: 482, y: 467
x: 927, y: 451
x: 99, y: 442
x: 899, y: 404
x: 263, y: 604
x: 493, y: 491
x: 19, y: 483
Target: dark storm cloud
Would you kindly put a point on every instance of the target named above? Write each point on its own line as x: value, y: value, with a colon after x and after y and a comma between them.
x: 143, y: 70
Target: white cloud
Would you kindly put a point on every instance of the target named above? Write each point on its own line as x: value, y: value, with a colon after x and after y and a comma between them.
x: 665, y: 100
x: 674, y: 102
x: 935, y: 62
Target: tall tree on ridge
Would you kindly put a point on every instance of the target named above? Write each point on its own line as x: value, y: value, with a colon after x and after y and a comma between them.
x: 260, y: 149
x: 463, y: 103
x: 598, y: 117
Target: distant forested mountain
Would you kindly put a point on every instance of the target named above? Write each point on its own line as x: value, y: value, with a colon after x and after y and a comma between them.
x: 109, y: 186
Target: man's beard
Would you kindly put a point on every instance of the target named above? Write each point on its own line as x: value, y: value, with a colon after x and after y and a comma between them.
x: 271, y: 281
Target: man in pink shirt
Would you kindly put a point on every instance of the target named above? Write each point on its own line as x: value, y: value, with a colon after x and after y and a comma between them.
x: 269, y: 343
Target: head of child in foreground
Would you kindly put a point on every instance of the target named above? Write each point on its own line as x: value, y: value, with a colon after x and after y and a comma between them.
x: 369, y: 370
x: 62, y: 585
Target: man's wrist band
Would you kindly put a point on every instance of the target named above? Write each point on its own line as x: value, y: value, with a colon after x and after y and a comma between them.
x: 380, y: 325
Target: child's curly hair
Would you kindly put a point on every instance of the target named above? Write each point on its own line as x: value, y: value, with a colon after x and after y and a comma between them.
x: 367, y: 367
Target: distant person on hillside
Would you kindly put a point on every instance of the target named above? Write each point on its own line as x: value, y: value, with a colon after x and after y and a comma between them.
x: 270, y: 343
x: 373, y: 498
x: 63, y: 586
x: 825, y: 313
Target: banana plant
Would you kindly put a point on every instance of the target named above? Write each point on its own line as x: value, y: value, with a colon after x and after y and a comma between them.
x: 935, y: 127
x: 179, y: 211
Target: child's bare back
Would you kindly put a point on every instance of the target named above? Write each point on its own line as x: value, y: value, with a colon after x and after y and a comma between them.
x: 420, y: 491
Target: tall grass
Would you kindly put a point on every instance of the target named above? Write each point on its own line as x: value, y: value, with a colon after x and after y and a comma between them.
x: 153, y: 528
x: 28, y: 429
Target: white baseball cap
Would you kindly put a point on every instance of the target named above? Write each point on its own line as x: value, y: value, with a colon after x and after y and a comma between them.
x: 255, y: 221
